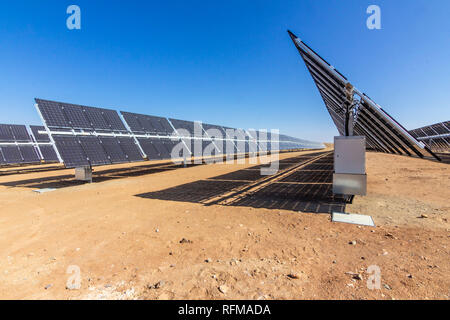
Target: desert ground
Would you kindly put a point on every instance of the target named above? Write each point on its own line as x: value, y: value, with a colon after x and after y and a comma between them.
x: 223, y: 231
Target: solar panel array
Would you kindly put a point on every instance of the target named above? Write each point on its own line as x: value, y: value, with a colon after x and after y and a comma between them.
x: 88, y: 136
x: 435, y: 136
x: 383, y: 133
x: 18, y: 147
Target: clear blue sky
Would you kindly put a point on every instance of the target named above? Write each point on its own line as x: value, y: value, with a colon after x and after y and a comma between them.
x: 225, y: 62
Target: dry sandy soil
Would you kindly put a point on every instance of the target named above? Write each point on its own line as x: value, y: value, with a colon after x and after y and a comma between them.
x: 128, y: 246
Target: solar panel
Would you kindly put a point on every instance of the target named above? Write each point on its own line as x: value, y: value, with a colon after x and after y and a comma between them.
x: 149, y: 148
x: 48, y: 153
x: 67, y: 115
x: 12, y: 154
x: 140, y: 123
x: 352, y: 110
x: 96, y: 118
x: 94, y: 151
x: 113, y: 119
x: 130, y: 148
x: 29, y: 154
x: 194, y: 128
x: 38, y: 136
x: 20, y: 133
x: 2, y: 159
x: 6, y: 134
x: 435, y: 136
x: 71, y: 151
x: 76, y: 117
x: 52, y: 113
x: 113, y: 150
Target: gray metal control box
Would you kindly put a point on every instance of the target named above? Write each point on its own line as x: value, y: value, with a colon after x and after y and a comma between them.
x: 349, y: 176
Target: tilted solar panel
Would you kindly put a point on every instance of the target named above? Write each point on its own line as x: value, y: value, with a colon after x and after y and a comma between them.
x: 130, y: 148
x: 94, y: 151
x: 71, y: 151
x: 39, y: 137
x: 183, y: 127
x: 435, y: 136
x: 48, y: 153
x: 20, y: 133
x: 12, y: 154
x: 352, y: 110
x: 6, y: 134
x: 140, y: 123
x: 52, y: 113
x: 67, y: 115
x: 29, y: 154
x: 113, y: 150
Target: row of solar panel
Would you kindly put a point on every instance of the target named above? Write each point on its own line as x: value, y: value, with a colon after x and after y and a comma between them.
x: 18, y: 146
x: 26, y: 154
x: 432, y: 130
x: 64, y: 115
x: 435, y: 136
x: 382, y: 132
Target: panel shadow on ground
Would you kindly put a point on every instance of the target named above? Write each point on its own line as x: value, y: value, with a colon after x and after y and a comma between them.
x: 306, y: 189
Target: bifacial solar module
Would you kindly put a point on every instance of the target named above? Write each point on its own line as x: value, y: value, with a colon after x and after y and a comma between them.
x: 140, y: 123
x: 6, y: 133
x: 12, y: 154
x: 20, y: 133
x: 71, y: 151
x: 130, y: 148
x: 352, y: 110
x: 94, y: 151
x: 67, y: 115
x: 48, y: 153
x: 435, y: 136
x: 29, y: 154
x: 187, y: 128
x: 39, y: 137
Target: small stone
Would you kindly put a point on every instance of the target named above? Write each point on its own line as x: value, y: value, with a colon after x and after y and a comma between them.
x: 410, y: 276
x: 357, y: 277
x: 157, y: 285
x: 293, y: 275
x: 184, y: 240
x: 334, y: 261
x: 423, y: 216
x: 352, y: 242
x: 223, y: 289
x: 48, y: 286
x: 387, y: 286
x: 157, y: 230
x: 208, y: 260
